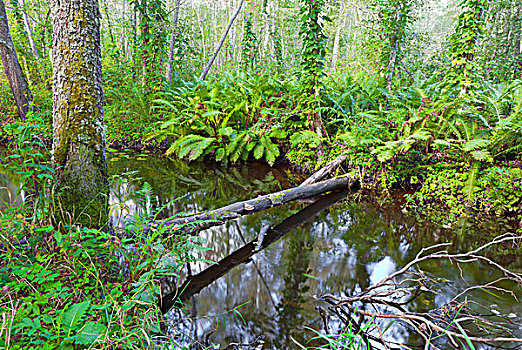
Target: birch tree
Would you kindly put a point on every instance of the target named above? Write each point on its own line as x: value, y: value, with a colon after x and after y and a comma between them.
x: 79, y: 131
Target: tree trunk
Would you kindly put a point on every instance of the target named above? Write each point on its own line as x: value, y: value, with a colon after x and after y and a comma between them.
x: 12, y: 68
x: 29, y: 30
x: 517, y: 47
x: 220, y: 44
x: 232, y: 33
x: 144, y: 23
x: 123, y: 39
x: 392, y: 61
x: 175, y: 21
x: 202, y: 32
x: 79, y: 130
x: 337, y: 38
x: 109, y: 27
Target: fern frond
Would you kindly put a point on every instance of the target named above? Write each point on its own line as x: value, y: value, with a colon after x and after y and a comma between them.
x: 191, y: 146
x: 469, y: 187
x: 271, y: 149
x: 305, y: 137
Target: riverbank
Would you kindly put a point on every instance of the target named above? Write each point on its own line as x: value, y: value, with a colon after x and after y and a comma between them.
x: 89, y: 272
x: 443, y: 190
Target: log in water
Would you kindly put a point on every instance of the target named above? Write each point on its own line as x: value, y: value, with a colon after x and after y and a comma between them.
x: 201, y: 221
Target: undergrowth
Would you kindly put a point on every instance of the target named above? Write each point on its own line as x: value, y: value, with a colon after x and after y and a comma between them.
x: 70, y: 287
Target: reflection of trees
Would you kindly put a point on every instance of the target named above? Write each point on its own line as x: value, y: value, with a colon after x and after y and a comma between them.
x: 225, y: 281
x: 9, y: 187
x: 386, y: 231
x: 297, y: 256
x: 198, y: 186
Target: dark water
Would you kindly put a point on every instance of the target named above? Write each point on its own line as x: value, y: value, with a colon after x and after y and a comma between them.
x: 339, y: 246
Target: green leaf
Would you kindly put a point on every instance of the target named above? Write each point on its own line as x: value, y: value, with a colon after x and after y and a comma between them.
x: 476, y: 143
x: 441, y: 143
x: 191, y: 146
x: 482, y: 155
x: 385, y: 155
x: 258, y: 151
x: 66, y: 345
x: 469, y: 187
x: 171, y: 149
x: 74, y: 314
x: 58, y: 236
x: 88, y: 334
x: 306, y: 136
x: 220, y: 154
x: 211, y: 113
x: 199, y: 147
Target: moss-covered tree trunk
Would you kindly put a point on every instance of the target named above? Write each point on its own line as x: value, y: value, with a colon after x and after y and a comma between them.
x: 79, y: 131
x: 12, y: 67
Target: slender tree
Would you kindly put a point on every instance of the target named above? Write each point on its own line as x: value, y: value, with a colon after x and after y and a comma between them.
x: 145, y: 30
x: 79, y: 130
x: 337, y: 38
x: 172, y: 44
x: 12, y: 68
x: 313, y: 59
x: 220, y: 44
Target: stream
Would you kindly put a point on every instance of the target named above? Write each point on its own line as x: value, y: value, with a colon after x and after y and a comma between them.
x: 341, y: 247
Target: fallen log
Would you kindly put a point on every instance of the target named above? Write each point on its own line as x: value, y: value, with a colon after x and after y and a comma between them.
x: 324, y: 171
x: 194, y: 284
x: 201, y: 221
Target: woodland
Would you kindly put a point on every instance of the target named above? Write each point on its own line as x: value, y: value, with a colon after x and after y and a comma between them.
x: 411, y: 103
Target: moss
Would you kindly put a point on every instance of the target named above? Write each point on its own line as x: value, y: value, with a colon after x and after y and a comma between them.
x: 84, y: 185
x: 79, y: 132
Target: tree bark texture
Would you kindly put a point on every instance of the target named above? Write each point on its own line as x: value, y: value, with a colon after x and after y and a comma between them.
x: 79, y: 130
x: 220, y: 44
x: 12, y: 68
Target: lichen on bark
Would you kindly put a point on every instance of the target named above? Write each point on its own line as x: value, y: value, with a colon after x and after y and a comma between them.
x: 78, y: 126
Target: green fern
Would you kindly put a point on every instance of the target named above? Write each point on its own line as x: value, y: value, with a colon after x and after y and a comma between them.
x: 191, y: 146
x: 475, y: 144
x: 259, y: 150
x: 237, y: 147
x: 308, y: 137
x: 271, y: 149
x: 469, y: 187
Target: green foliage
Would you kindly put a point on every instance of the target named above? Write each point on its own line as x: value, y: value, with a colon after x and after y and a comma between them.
x: 130, y: 113
x: 81, y: 288
x: 431, y: 141
x: 231, y: 119
x: 314, y: 46
x: 464, y: 72
x: 393, y: 22
x: 29, y: 158
x: 249, y: 44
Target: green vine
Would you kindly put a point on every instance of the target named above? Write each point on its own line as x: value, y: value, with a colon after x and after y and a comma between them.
x: 465, y: 71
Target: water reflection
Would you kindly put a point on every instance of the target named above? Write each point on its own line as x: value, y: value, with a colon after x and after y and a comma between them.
x: 342, y: 250
x: 10, y: 193
x: 177, y: 188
